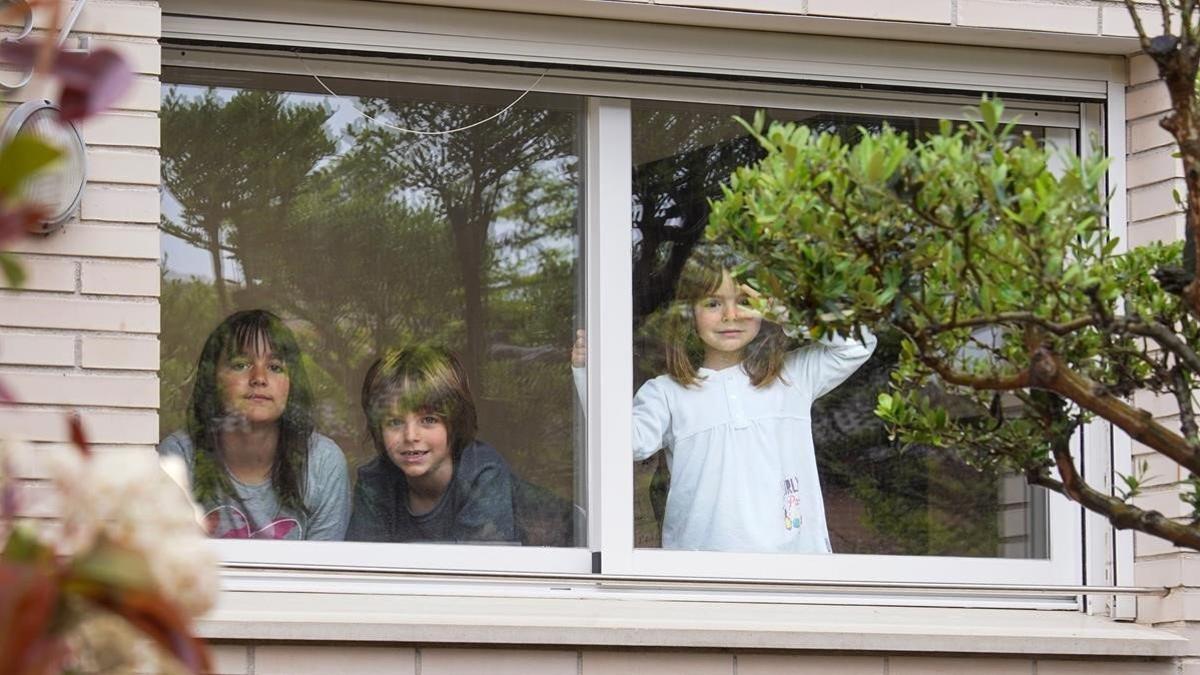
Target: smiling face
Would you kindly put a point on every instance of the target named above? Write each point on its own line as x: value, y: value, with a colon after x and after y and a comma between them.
x: 418, y: 443
x: 254, y: 385
x: 726, y: 324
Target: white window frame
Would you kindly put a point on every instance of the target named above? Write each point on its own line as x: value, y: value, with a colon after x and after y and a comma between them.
x: 607, y: 260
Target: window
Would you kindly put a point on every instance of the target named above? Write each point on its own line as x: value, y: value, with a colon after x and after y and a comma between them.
x: 871, y: 497
x: 449, y: 260
x: 498, y: 242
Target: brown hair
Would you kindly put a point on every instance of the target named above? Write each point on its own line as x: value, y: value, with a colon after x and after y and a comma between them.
x: 421, y: 378
x: 763, y: 357
x: 250, y: 331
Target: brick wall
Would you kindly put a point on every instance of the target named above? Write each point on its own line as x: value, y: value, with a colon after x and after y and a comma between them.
x: 83, y: 334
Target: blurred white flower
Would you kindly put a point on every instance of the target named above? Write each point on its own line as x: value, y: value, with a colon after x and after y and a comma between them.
x: 176, y: 469
x: 129, y: 499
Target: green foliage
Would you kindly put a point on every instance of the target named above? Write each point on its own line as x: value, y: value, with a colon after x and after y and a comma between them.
x: 982, y: 246
x: 1132, y: 483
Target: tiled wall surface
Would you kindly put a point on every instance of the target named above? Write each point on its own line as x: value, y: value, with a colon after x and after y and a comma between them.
x: 293, y: 660
x: 83, y: 334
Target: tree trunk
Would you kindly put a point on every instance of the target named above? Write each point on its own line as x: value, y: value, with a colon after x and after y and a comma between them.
x: 470, y: 239
x: 214, y: 254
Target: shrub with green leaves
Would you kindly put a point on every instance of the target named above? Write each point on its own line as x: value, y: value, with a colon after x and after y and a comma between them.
x: 990, y: 253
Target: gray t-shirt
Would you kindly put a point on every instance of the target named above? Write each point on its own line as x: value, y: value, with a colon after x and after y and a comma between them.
x: 255, y: 513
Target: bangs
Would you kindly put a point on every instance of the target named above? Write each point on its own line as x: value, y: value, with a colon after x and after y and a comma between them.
x: 698, y: 281
x: 422, y: 379
x: 432, y: 392
x: 259, y: 333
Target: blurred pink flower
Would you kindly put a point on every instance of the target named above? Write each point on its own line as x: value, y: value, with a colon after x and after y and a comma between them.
x: 92, y: 82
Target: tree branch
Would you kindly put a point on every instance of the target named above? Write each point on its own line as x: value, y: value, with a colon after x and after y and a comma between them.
x: 1164, y: 337
x: 1020, y: 380
x: 1123, y: 516
x: 1014, y: 317
x: 1047, y: 372
x: 1182, y: 388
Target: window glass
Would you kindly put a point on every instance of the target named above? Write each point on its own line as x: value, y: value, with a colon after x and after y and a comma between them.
x: 363, y: 329
x: 729, y: 466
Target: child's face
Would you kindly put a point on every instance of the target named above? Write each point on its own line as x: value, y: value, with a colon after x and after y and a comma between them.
x: 418, y: 443
x: 726, y: 323
x: 254, y: 385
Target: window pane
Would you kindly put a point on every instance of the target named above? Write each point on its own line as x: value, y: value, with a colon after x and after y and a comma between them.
x: 735, y: 470
x: 406, y: 376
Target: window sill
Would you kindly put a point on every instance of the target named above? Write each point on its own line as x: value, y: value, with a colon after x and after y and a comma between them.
x: 424, y: 618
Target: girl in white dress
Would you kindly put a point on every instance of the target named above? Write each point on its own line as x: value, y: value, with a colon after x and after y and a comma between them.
x: 733, y: 414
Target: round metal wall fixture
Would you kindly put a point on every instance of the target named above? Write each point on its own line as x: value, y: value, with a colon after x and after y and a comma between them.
x: 59, y: 188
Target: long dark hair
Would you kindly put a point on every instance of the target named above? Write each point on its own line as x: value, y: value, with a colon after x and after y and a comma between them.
x: 425, y: 379
x: 250, y: 331
x: 701, y: 277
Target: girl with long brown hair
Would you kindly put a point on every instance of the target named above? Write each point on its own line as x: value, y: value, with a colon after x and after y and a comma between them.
x: 733, y: 415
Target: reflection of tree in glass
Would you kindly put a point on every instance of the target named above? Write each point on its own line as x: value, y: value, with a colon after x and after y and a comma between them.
x: 362, y: 268
x: 189, y: 310
x: 681, y: 158
x: 880, y: 500
x: 360, y: 250
x: 227, y: 162
x: 507, y: 192
x: 469, y: 177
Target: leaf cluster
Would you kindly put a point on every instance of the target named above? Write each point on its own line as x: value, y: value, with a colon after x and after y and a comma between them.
x: 989, y: 251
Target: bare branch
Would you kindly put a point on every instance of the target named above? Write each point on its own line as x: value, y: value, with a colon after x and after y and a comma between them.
x: 1182, y: 388
x: 1123, y: 516
x: 1163, y: 336
x: 1047, y: 372
x: 1165, y: 10
x: 1018, y: 318
x: 1020, y: 380
x: 175, y: 230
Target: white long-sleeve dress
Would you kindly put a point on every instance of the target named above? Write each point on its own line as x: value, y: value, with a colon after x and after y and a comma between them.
x: 743, y: 467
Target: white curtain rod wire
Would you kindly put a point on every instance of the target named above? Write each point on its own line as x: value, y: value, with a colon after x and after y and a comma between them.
x: 375, y: 120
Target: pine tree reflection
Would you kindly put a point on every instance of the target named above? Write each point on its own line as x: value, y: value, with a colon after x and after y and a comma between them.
x: 364, y: 237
